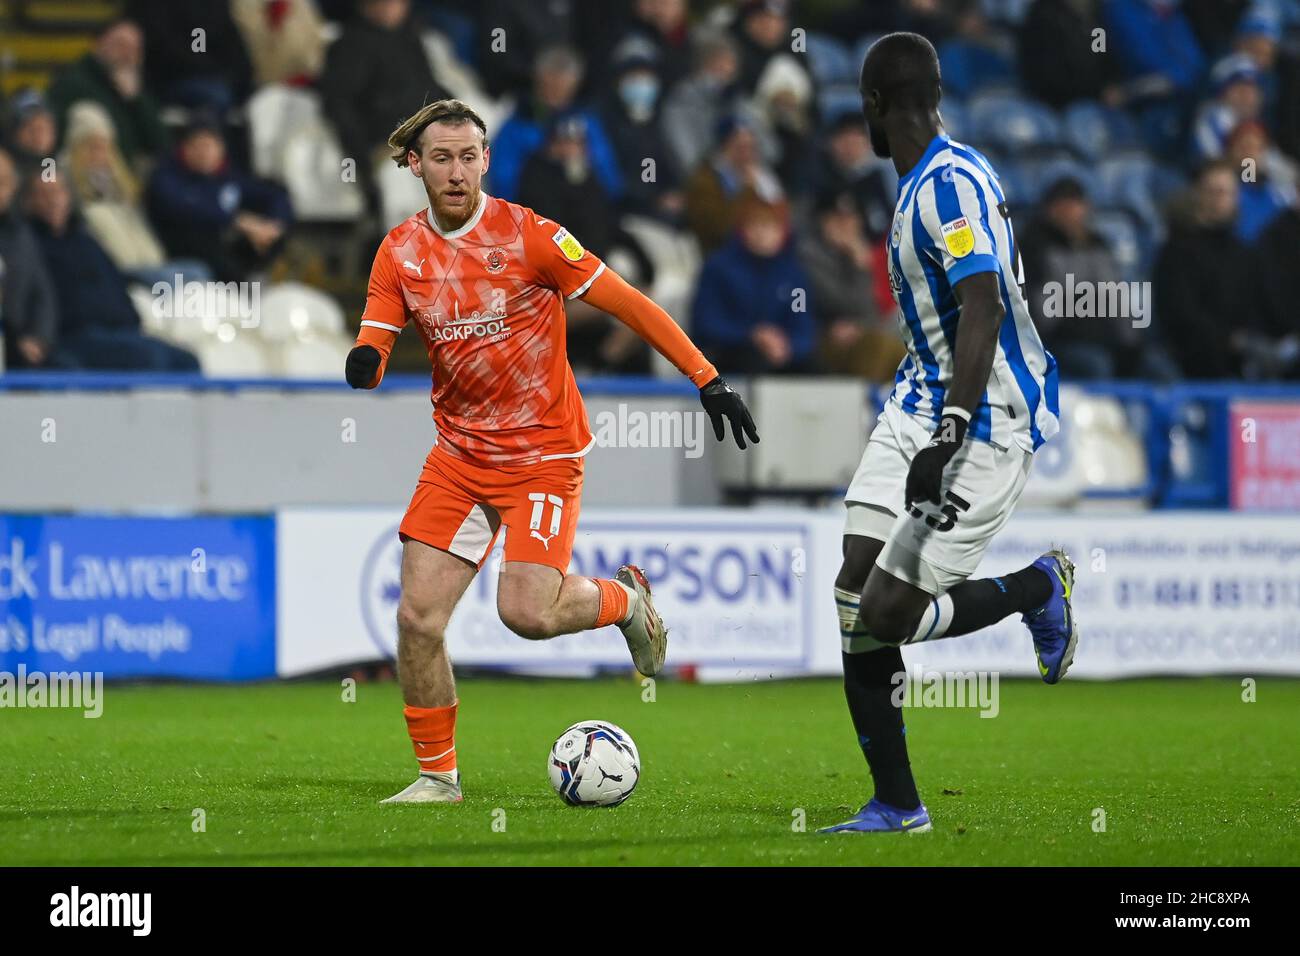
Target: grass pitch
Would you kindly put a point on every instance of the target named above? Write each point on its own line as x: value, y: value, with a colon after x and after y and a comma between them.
x: 1185, y: 772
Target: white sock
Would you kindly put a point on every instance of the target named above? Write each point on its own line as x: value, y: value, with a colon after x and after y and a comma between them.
x: 632, y: 599
x: 935, y: 621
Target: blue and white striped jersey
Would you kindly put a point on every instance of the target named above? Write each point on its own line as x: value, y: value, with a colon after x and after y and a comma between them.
x: 951, y: 221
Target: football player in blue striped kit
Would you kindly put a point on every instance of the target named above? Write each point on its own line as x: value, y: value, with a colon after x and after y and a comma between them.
x: 974, y: 398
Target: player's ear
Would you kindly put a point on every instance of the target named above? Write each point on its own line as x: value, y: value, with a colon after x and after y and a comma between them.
x: 413, y: 163
x: 487, y: 158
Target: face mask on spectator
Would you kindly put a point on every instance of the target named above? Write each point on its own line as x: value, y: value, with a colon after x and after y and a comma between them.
x: 639, y: 94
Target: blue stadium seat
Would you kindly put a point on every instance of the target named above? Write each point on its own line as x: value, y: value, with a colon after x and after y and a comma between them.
x: 834, y: 101
x: 956, y: 118
x: 1127, y: 183
x: 1040, y: 174
x: 1096, y: 132
x: 830, y: 60
x: 1122, y: 233
x: 969, y: 68
x: 1012, y: 122
x: 1007, y: 11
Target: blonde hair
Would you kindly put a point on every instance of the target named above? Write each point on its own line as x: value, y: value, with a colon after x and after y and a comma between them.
x: 404, y: 138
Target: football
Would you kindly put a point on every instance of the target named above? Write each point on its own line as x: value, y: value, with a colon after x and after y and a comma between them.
x: 594, y: 764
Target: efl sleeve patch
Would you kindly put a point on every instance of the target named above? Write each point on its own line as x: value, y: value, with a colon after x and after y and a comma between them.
x: 958, y: 237
x: 572, y: 248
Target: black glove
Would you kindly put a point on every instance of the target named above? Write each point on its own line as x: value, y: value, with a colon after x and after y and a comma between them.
x: 362, y: 364
x: 721, y: 400
x: 925, y: 476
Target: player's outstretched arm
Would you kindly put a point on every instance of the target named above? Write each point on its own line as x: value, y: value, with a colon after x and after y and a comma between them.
x: 611, y: 293
x: 381, y: 323
x: 979, y: 322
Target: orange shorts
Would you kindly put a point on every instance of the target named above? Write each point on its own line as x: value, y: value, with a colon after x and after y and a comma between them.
x: 460, y: 507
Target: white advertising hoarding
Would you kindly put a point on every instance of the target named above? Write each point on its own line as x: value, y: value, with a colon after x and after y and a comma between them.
x: 748, y: 593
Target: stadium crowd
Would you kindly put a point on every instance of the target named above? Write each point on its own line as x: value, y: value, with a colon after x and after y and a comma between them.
x: 712, y: 156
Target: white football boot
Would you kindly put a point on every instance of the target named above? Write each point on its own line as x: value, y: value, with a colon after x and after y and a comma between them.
x: 431, y: 788
x: 644, y: 630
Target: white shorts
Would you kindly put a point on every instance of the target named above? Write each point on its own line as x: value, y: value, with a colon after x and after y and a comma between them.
x: 934, y: 547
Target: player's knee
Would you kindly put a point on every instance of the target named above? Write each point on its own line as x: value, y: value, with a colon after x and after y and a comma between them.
x: 887, y: 623
x: 528, y: 621
x: 420, y: 624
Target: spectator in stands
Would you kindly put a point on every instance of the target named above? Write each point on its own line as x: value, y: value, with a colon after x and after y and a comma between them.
x: 27, y: 305
x: 110, y: 200
x: 194, y: 53
x: 1059, y: 61
x: 1237, y: 99
x: 376, y: 74
x: 784, y: 100
x: 716, y: 188
x: 1268, y: 179
x: 556, y: 79
x: 1259, y: 34
x: 846, y: 163
x: 1214, y: 22
x: 559, y: 182
x: 1202, y: 281
x: 857, y: 337
x: 1273, y: 345
x: 753, y: 308
x: 1155, y: 44
x: 30, y: 132
x: 699, y: 102
x: 513, y: 34
x: 664, y: 27
x: 99, y: 327
x: 762, y: 32
x: 1062, y: 251
x: 203, y: 208
x: 285, y: 39
x: 631, y: 118
x: 972, y: 58
x: 112, y: 75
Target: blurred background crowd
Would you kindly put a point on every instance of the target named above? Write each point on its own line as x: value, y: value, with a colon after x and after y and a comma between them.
x: 713, y: 157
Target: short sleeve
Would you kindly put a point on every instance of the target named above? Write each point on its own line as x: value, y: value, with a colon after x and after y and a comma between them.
x: 385, y: 305
x: 559, y: 257
x: 954, y: 217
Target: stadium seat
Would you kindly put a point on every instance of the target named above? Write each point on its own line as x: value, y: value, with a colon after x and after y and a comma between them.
x: 1122, y: 233
x: 1095, y: 132
x: 1127, y: 182
x: 232, y: 353
x: 1012, y: 122
x: 1040, y: 174
x: 830, y: 61
x: 291, y: 142
x: 676, y: 259
x: 956, y: 119
x: 292, y: 311
x: 321, y: 358
x: 835, y: 101
x: 968, y: 68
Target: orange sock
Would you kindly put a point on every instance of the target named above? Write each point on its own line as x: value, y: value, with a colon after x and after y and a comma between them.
x: 433, y: 732
x: 613, y: 602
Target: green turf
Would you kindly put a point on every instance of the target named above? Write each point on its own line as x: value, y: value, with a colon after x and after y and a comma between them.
x: 290, y: 774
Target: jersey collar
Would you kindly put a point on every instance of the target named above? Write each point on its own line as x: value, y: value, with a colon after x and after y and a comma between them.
x: 470, y: 223
x: 940, y: 142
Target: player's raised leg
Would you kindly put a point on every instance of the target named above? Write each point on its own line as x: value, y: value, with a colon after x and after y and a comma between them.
x: 537, y: 602
x: 433, y: 581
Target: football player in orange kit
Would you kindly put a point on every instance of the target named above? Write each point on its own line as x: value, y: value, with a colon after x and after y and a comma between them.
x: 484, y: 282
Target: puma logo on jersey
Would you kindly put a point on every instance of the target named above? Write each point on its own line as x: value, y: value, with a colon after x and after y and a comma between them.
x: 418, y: 270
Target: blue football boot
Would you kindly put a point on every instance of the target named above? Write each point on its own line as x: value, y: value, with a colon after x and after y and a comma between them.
x: 877, y: 817
x: 1055, y: 631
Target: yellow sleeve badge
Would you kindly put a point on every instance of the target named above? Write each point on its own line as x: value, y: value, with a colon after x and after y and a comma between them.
x: 958, y: 237
x: 568, y: 244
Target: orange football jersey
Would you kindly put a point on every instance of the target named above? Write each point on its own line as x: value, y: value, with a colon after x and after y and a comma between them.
x: 488, y: 300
